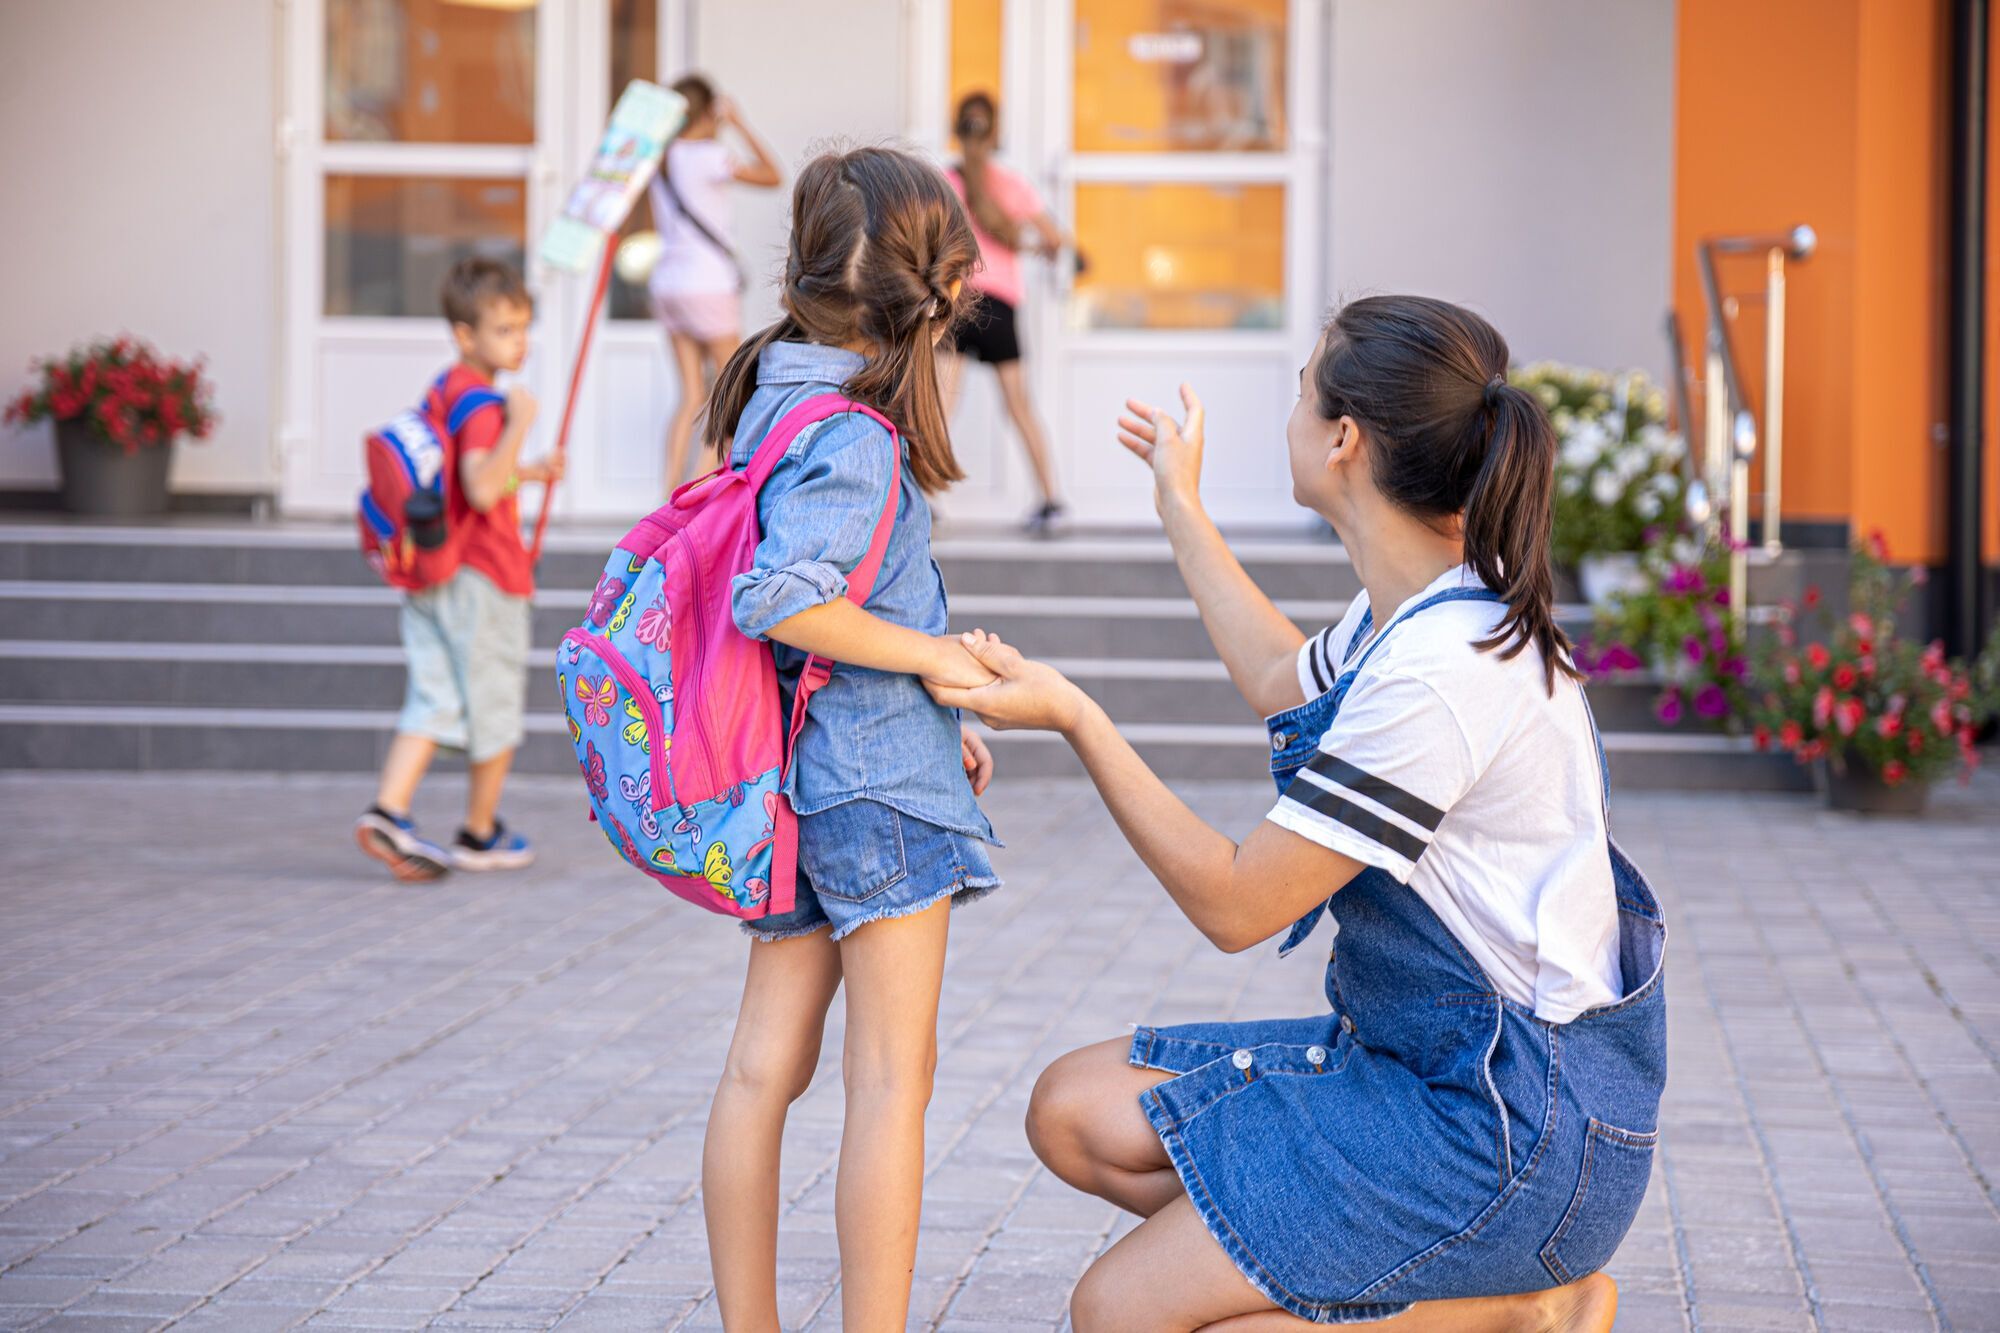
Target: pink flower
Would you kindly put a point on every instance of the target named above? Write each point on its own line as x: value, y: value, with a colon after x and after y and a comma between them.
x: 1848, y: 715
x: 1823, y: 707
x: 1861, y: 625
x: 1894, y: 772
x: 1941, y: 717
x: 1668, y: 708
x: 1693, y: 649
x: 1710, y: 701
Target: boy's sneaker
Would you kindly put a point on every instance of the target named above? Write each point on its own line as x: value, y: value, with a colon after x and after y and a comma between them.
x: 393, y: 840
x: 505, y: 850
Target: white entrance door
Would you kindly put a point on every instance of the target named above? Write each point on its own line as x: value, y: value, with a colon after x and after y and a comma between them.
x: 1184, y: 145
x: 425, y: 130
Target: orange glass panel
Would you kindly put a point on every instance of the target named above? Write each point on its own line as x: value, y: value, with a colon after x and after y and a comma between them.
x: 635, y: 54
x: 975, y: 49
x: 1180, y: 256
x: 1178, y: 76
x: 430, y: 71
x: 391, y: 239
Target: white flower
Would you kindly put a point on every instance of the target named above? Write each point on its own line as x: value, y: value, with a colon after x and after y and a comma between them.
x: 1666, y: 485
x: 1605, y: 488
x: 1569, y: 484
x: 1647, y: 506
x: 1549, y: 394
x: 1656, y: 405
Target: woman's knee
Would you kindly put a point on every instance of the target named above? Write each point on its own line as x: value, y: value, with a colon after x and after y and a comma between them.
x: 1059, y: 1111
x: 1097, y: 1305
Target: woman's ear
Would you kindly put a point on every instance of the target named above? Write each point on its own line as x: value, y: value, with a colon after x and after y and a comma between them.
x: 1346, y: 443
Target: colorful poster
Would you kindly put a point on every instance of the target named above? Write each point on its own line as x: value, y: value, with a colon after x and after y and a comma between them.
x: 628, y: 154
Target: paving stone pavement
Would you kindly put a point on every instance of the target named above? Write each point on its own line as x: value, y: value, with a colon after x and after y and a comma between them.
x: 245, y: 1083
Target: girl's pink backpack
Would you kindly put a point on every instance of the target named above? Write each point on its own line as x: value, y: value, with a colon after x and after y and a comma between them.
x: 674, y: 712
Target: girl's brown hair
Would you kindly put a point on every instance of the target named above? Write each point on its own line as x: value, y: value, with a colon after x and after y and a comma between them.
x: 700, y: 95
x: 977, y: 129
x: 878, y: 242
x: 1449, y: 436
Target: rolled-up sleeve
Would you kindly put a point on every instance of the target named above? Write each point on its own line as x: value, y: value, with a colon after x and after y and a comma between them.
x: 822, y: 506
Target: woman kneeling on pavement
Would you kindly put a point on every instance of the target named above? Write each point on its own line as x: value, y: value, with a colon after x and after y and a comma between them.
x: 1463, y: 1139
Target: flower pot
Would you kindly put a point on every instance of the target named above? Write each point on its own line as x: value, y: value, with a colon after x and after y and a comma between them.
x: 100, y: 478
x: 1857, y: 787
x: 1601, y: 577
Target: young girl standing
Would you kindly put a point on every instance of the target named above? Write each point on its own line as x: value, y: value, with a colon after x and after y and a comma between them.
x: 882, y: 778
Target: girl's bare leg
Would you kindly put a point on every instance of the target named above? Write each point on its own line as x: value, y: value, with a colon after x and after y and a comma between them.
x: 1085, y: 1124
x: 715, y: 355
x: 894, y: 969
x: 1014, y: 389
x: 771, y: 1060
x: 686, y: 356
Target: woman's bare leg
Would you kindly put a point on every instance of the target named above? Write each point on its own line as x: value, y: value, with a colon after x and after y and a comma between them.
x: 1084, y: 1122
x: 1014, y: 389
x: 771, y: 1060
x: 685, y: 353
x: 894, y: 969
x: 1169, y: 1276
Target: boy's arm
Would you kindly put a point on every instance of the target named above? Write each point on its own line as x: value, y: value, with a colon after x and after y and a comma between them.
x: 485, y: 471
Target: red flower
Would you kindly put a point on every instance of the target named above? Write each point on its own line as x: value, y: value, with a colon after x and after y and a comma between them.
x: 1914, y: 738
x: 1848, y: 715
x: 1866, y: 647
x: 1761, y: 738
x: 1791, y: 736
x: 1941, y: 716
x: 1817, y: 655
x: 1878, y: 545
x: 1889, y: 724
x: 1894, y: 772
x: 1843, y: 677
x: 1812, y: 596
x: 1861, y: 624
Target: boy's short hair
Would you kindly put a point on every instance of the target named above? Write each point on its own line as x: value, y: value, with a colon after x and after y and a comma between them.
x: 475, y: 283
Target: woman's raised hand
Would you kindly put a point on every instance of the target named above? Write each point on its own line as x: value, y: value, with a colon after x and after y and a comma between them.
x: 1171, y: 448
x: 1026, y: 694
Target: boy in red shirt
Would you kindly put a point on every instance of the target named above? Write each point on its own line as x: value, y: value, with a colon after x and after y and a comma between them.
x: 467, y: 638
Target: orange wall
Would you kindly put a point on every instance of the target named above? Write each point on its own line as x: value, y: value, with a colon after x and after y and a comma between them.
x: 1828, y: 112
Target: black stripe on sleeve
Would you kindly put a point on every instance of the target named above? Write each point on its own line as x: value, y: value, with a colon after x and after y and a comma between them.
x: 1368, y: 824
x: 1315, y: 656
x: 1379, y: 790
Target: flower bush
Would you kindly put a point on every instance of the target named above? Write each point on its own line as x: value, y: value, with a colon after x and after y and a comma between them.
x: 1679, y: 625
x: 1618, y: 472
x: 125, y: 391
x: 1860, y: 694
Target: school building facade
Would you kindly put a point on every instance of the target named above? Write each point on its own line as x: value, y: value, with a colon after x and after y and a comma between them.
x: 278, y: 184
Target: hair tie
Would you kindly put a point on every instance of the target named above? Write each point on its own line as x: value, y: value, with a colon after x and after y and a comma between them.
x: 1493, y: 388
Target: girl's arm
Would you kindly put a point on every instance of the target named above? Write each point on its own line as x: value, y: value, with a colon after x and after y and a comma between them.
x: 1256, y: 641
x: 765, y: 170
x: 1236, y: 894
x: 843, y: 632
x: 1049, y: 232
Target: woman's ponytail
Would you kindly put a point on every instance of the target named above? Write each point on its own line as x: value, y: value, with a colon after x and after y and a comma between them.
x: 1450, y: 438
x: 1508, y: 522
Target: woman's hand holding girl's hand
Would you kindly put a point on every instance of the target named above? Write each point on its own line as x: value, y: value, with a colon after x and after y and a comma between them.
x: 978, y: 759
x: 1023, y: 694
x: 1173, y: 450
x: 954, y: 665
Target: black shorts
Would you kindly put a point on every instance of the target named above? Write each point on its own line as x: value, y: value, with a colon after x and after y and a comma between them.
x: 987, y: 332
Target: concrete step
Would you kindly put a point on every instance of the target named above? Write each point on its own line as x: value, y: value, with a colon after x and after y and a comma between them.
x: 324, y: 556
x: 368, y: 676
x: 114, y: 737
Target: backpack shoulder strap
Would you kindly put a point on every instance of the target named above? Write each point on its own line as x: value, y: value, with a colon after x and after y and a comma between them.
x: 471, y: 400
x: 861, y: 582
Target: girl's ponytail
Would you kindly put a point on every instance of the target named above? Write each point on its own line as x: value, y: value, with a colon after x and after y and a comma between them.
x: 1508, y: 521
x: 1450, y: 438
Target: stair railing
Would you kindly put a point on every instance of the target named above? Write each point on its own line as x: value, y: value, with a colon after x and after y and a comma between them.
x: 1729, y: 435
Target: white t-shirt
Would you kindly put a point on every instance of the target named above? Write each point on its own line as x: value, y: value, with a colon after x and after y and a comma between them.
x: 691, y: 264
x: 1456, y: 772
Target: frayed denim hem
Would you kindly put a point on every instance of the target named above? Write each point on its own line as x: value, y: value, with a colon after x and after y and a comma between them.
x: 961, y: 893
x: 769, y: 938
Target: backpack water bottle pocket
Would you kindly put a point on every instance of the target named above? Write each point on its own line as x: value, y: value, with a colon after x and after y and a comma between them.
x: 619, y: 727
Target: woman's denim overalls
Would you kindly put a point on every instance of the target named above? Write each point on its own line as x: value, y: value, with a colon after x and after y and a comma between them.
x: 1428, y: 1138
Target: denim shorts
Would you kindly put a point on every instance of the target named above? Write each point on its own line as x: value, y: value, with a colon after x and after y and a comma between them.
x: 466, y: 643
x: 863, y: 861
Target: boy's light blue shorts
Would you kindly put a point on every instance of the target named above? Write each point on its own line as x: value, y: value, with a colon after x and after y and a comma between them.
x: 467, y: 647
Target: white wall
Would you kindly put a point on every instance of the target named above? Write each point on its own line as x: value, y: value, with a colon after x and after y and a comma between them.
x: 806, y: 74
x: 1516, y: 157
x: 136, y: 140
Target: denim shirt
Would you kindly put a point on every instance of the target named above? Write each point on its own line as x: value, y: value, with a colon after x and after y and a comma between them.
x: 872, y: 735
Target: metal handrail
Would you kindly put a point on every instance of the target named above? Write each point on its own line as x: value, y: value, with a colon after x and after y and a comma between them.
x: 1730, y: 430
